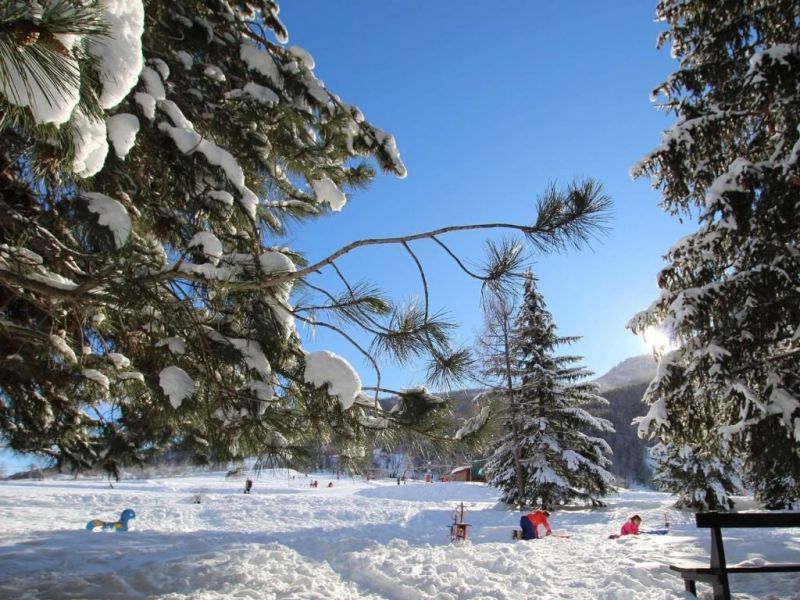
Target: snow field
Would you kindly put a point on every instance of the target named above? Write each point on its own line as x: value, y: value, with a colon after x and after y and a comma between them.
x: 356, y: 540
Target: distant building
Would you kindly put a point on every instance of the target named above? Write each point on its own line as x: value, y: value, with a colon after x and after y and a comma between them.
x: 460, y: 474
x: 472, y: 472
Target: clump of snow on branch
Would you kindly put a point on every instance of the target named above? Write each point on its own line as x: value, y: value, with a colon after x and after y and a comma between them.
x: 176, y: 345
x: 160, y: 66
x: 120, y: 53
x: 303, y: 55
x: 785, y: 404
x: 215, y: 73
x: 209, y: 243
x: 176, y: 384
x: 153, y: 83
x: 185, y: 58
x: 473, y: 424
x: 221, y: 196
x: 326, y: 368
x: 261, y: 62
x: 276, y: 262
x: 122, y: 130
x: 253, y: 355
x: 278, y: 296
x: 61, y: 346
x: 97, y: 377
x: 263, y: 391
x: 130, y: 375
x: 91, y: 147
x: 148, y: 104
x: 389, y: 146
x: 189, y: 141
x: 120, y: 361
x: 327, y: 191
x: 730, y: 181
x: 112, y: 214
x: 261, y: 93
x: 30, y: 265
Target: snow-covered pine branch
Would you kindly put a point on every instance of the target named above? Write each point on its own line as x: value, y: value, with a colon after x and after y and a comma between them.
x: 145, y: 179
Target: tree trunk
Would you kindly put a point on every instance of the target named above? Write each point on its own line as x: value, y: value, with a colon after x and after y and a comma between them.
x: 514, y: 410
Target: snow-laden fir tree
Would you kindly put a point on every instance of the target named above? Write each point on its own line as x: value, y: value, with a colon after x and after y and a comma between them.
x: 730, y: 293
x: 700, y: 483
x: 151, y: 154
x: 547, y: 454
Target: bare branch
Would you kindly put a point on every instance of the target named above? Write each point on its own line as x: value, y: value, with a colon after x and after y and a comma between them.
x: 421, y: 276
x: 456, y: 259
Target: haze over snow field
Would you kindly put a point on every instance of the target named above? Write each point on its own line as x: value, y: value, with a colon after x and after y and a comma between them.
x: 356, y: 540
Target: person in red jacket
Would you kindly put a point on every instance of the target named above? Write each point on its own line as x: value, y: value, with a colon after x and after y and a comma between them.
x: 631, y: 526
x: 530, y: 524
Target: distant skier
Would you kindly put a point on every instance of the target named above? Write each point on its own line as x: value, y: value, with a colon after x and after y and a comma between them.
x: 248, y: 485
x: 530, y: 524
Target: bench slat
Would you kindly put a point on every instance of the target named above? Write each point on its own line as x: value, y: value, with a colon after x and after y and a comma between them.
x: 734, y: 520
x: 774, y: 568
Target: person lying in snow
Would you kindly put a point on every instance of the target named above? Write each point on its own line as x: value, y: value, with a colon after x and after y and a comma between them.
x: 630, y: 527
x: 530, y: 524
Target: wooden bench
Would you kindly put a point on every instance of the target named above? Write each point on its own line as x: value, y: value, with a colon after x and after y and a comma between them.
x: 717, y: 573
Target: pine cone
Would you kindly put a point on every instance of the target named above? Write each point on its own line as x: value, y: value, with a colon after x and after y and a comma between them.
x: 55, y: 45
x: 49, y: 158
x: 25, y: 34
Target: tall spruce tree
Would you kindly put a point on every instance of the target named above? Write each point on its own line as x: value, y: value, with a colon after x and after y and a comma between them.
x: 547, y: 455
x: 151, y: 154
x: 730, y: 293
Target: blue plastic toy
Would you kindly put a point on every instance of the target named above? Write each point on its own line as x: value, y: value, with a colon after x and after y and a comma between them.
x: 118, y: 526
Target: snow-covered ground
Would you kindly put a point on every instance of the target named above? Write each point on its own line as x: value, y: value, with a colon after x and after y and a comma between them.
x: 357, y: 539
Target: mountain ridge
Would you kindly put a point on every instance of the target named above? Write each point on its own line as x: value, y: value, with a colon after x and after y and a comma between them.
x: 631, y: 371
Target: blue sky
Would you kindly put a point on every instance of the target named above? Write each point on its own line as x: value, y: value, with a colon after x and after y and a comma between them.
x: 489, y: 102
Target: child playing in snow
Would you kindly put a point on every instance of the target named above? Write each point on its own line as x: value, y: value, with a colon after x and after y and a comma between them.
x: 630, y: 527
x: 530, y: 524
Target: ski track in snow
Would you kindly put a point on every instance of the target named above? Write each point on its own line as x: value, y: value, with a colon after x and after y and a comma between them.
x: 356, y: 540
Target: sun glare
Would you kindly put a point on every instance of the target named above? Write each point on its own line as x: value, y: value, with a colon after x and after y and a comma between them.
x: 656, y: 340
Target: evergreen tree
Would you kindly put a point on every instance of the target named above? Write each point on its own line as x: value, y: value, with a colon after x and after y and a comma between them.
x: 546, y: 457
x: 152, y: 153
x: 700, y: 483
x: 730, y: 293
